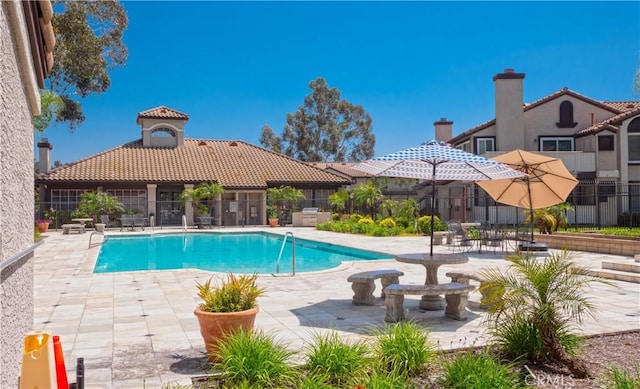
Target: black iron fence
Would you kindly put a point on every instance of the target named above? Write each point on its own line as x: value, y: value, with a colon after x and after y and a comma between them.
x: 593, y: 205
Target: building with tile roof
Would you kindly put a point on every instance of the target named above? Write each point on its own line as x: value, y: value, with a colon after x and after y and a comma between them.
x: 598, y: 141
x: 149, y: 174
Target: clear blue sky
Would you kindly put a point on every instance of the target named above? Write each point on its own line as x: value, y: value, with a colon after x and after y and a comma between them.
x: 235, y: 66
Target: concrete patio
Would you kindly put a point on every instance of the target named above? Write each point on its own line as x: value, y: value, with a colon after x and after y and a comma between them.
x: 138, y: 328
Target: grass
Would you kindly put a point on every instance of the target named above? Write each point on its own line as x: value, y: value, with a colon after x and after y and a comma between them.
x: 253, y: 359
x: 471, y: 370
x: 340, y: 362
x: 403, y: 349
x: 617, y: 378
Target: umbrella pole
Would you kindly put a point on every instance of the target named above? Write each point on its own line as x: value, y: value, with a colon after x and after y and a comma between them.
x: 433, y: 206
x: 531, y: 207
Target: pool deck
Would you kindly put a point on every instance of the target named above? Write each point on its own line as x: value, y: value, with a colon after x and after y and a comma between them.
x: 137, y: 329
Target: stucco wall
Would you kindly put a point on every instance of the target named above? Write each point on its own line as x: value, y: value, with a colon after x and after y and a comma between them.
x: 16, y: 195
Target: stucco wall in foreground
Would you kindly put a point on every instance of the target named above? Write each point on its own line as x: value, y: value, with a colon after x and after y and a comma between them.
x: 16, y: 194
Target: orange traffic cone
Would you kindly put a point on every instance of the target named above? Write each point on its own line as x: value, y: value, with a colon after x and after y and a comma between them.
x: 61, y: 370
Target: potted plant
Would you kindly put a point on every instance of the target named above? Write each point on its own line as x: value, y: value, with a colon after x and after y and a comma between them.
x: 227, y: 307
x: 43, y: 225
x: 272, y: 215
x: 283, y: 198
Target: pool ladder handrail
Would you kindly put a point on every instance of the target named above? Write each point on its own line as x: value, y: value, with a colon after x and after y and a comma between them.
x: 293, y: 253
x: 95, y: 233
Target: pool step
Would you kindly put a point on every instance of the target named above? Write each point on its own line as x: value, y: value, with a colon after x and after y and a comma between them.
x: 626, y: 266
x: 619, y: 270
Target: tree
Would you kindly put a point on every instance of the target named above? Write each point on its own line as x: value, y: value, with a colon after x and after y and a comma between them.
x: 270, y: 140
x: 99, y: 203
x: 339, y: 200
x: 88, y: 46
x: 548, y: 294
x: 389, y: 208
x: 283, y: 197
x: 367, y: 194
x: 204, y: 191
x: 324, y: 128
x: 50, y: 107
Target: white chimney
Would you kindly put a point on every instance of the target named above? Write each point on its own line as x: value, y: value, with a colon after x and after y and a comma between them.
x: 509, y: 99
x: 44, y: 156
x: 444, y: 129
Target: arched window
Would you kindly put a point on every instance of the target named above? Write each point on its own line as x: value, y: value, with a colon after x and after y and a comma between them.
x: 633, y: 135
x: 163, y: 132
x: 566, y: 115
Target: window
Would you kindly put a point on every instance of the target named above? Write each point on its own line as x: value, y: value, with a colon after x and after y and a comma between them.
x: 66, y: 199
x: 566, y: 115
x: 605, y: 143
x: 633, y: 135
x: 132, y: 199
x: 556, y: 144
x: 163, y: 132
x: 466, y: 146
x: 484, y: 145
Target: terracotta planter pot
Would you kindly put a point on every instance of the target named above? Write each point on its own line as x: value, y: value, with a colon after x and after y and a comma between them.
x: 215, y: 325
x: 273, y: 222
x: 42, y: 227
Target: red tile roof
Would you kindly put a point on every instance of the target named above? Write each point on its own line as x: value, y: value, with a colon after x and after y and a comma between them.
x: 612, y: 106
x: 233, y: 164
x: 162, y: 112
x: 609, y: 124
x: 342, y: 168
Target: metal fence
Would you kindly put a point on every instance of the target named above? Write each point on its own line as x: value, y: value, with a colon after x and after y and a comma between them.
x: 594, y: 205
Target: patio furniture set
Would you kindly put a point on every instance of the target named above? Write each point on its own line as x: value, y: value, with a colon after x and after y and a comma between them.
x: 455, y: 293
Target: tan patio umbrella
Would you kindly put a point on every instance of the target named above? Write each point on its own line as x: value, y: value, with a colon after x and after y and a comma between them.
x: 547, y: 182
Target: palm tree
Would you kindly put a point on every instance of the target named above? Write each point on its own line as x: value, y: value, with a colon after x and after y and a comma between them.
x: 339, y: 200
x: 548, y: 294
x: 388, y: 207
x: 410, y: 210
x: 204, y: 191
x: 284, y: 197
x: 367, y: 194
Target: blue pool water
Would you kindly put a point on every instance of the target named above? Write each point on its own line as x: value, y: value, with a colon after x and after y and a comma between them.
x: 221, y: 252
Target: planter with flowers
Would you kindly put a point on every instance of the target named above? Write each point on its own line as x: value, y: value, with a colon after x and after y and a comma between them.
x: 226, y: 308
x: 43, y: 225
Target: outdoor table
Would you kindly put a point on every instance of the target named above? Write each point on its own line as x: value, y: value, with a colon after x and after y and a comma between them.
x: 83, y: 220
x: 431, y: 264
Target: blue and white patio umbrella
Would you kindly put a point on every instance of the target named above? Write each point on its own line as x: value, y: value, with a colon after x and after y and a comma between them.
x: 437, y: 161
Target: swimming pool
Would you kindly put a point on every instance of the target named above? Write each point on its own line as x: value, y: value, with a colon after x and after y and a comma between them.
x: 221, y: 252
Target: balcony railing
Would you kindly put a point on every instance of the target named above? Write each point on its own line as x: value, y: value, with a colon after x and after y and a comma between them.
x: 575, y: 161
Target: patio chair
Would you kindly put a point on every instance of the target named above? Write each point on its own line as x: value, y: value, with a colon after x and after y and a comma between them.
x: 492, y: 236
x: 126, y: 221
x: 458, y: 237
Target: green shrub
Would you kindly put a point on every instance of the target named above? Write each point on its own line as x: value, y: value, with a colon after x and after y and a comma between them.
x: 618, y: 378
x: 403, y: 349
x: 354, y: 217
x: 234, y: 294
x: 365, y: 220
x: 470, y: 370
x: 383, y: 380
x: 254, y: 359
x: 519, y: 338
x: 388, y: 223
x: 424, y: 224
x: 342, y: 363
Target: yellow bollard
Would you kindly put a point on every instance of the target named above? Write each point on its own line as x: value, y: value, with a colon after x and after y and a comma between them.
x: 38, y: 362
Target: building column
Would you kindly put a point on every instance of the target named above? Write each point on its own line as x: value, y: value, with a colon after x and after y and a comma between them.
x: 219, y: 212
x: 263, y: 214
x: 151, y: 202
x: 188, y: 208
